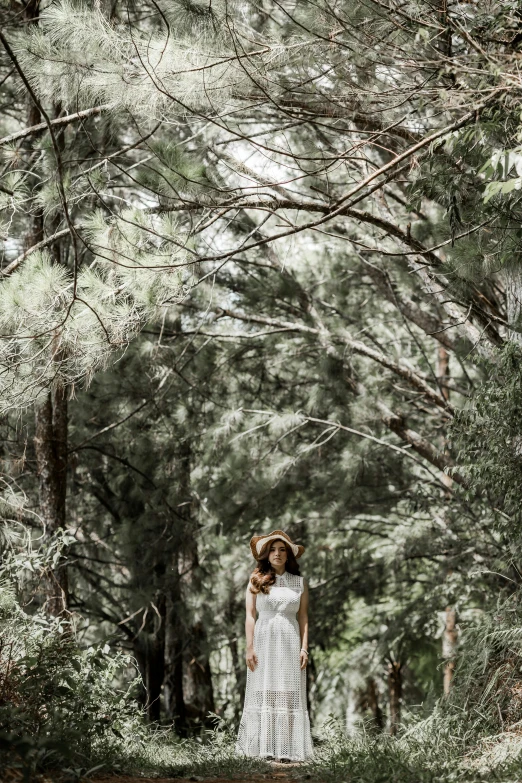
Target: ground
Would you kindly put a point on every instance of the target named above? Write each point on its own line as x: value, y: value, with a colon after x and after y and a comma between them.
x: 284, y: 773
x: 280, y: 772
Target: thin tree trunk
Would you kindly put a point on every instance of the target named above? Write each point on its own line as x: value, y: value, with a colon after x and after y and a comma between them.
x: 443, y: 376
x: 395, y: 695
x: 373, y: 704
x: 513, y: 291
x: 239, y: 670
x: 149, y: 650
x: 449, y: 646
x: 175, y: 708
x: 449, y: 639
x: 51, y: 420
x: 197, y: 678
x: 188, y: 678
x: 176, y: 625
x: 311, y: 676
x: 51, y: 461
x: 443, y: 370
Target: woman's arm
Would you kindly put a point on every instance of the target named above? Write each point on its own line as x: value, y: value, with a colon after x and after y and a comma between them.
x: 302, y: 617
x: 250, y: 622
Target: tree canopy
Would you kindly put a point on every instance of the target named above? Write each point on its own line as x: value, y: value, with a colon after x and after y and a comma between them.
x: 260, y: 270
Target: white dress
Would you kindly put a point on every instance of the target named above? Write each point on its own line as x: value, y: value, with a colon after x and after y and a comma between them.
x: 275, y: 720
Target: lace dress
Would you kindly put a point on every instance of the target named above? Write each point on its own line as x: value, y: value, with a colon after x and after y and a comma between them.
x: 275, y: 720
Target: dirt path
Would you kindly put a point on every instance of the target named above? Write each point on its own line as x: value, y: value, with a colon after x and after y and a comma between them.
x: 275, y: 775
x: 280, y: 772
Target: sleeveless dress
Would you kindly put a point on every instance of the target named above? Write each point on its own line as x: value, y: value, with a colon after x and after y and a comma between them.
x: 275, y: 720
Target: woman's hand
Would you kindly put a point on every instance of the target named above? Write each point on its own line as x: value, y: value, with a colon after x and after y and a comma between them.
x: 303, y: 659
x: 251, y: 659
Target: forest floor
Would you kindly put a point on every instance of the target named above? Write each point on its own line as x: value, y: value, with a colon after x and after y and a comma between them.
x: 281, y: 773
x: 284, y: 773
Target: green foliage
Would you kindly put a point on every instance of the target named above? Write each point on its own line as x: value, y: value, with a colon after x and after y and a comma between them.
x: 62, y: 707
x: 486, y: 698
x: 59, y: 705
x: 247, y: 395
x: 487, y: 436
x: 58, y: 329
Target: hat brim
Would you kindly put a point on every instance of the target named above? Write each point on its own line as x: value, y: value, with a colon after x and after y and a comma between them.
x: 258, y: 544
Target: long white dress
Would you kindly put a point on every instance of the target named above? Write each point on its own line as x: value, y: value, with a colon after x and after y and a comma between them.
x: 275, y: 720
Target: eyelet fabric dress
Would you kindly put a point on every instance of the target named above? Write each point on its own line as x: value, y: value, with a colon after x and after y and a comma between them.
x: 275, y: 721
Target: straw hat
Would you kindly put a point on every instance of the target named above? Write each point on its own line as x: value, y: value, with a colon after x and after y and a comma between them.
x: 258, y: 543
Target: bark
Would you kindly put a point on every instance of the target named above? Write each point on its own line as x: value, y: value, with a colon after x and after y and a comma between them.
x: 438, y: 287
x: 395, y: 695
x: 430, y: 324
x: 189, y: 695
x: 151, y: 648
x: 513, y: 293
x: 443, y: 371
x: 443, y: 377
x: 175, y: 708
x: 35, y: 127
x: 311, y: 676
x: 175, y: 629
x: 419, y: 444
x: 373, y: 704
x: 233, y: 610
x: 51, y: 461
x: 197, y: 678
x: 35, y: 233
x: 449, y: 646
x: 51, y: 421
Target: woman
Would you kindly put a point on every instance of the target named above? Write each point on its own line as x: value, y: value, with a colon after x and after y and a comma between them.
x: 275, y: 722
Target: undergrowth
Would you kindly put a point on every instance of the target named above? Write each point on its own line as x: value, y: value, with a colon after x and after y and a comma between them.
x: 64, y: 708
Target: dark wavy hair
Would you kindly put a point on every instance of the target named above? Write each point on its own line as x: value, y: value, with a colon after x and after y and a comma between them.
x: 263, y: 576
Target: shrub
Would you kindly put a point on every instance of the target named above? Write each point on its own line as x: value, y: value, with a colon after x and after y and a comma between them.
x: 59, y: 705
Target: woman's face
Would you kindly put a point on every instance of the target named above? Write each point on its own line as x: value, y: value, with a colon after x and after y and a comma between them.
x: 277, y: 555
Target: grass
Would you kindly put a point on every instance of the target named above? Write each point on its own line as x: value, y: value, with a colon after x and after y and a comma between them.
x: 427, y: 756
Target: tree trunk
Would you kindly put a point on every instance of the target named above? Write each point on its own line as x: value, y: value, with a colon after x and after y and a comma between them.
x: 311, y: 676
x: 149, y: 650
x: 449, y: 645
x: 443, y: 376
x: 443, y: 370
x: 180, y: 572
x: 175, y: 708
x: 188, y: 678
x: 51, y: 418
x: 51, y: 461
x: 238, y: 667
x: 395, y: 695
x: 373, y: 704
x: 513, y: 290
x: 198, y: 691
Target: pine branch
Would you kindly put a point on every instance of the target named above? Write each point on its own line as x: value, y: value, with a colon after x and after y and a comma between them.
x: 379, y: 441
x: 59, y: 122
x: 327, y: 339
x: 483, y: 340
x: 56, y: 147
x: 429, y: 324
x: 10, y: 268
x: 391, y: 420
